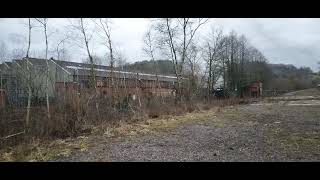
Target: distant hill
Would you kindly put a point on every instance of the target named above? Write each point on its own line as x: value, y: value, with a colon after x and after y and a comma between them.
x: 289, y: 77
x: 280, y: 76
x: 166, y: 67
x: 163, y: 67
x: 289, y: 70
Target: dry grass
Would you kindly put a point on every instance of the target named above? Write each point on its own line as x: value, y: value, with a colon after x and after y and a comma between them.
x: 44, y: 151
x: 139, y: 123
x: 163, y: 123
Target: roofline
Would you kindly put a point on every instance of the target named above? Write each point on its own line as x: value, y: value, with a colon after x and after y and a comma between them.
x: 95, y: 68
x: 16, y: 63
x: 5, y: 63
x: 29, y: 62
x: 124, y: 72
x: 61, y: 67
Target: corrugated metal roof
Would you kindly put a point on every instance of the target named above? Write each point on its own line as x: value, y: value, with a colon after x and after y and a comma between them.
x: 118, y: 74
x: 76, y: 64
x: 84, y: 69
x: 5, y: 67
x: 36, y: 62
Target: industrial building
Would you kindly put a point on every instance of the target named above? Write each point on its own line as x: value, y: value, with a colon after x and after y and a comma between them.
x: 17, y: 75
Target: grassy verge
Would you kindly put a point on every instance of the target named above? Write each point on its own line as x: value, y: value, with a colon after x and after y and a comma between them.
x: 44, y: 151
x: 48, y: 150
x: 163, y: 123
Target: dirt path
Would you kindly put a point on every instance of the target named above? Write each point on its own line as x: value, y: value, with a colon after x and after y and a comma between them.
x: 265, y: 131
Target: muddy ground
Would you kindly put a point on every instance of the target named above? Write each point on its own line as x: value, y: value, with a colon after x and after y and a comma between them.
x: 285, y: 128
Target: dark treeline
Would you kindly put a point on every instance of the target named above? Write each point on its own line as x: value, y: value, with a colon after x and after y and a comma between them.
x: 160, y: 66
x: 234, y: 60
x: 289, y: 77
x: 275, y: 76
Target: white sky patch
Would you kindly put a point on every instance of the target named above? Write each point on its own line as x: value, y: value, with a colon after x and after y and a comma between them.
x: 289, y: 41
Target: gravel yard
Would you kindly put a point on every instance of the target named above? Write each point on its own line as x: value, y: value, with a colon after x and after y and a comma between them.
x: 264, y: 131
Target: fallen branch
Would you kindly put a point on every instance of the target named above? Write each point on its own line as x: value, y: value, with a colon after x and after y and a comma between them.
x: 131, y: 108
x: 12, y: 135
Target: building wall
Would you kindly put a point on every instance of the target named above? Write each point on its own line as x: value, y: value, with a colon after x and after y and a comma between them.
x: 127, y: 86
x: 17, y: 85
x: 18, y: 79
x: 56, y: 74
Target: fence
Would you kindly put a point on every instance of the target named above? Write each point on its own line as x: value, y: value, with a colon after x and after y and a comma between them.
x: 270, y: 93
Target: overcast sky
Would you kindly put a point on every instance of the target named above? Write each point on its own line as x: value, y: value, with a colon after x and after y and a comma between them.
x: 288, y: 41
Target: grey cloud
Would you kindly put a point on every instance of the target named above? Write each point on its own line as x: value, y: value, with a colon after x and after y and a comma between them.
x: 290, y: 41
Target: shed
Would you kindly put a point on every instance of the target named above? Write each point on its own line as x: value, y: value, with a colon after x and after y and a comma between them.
x: 253, y: 89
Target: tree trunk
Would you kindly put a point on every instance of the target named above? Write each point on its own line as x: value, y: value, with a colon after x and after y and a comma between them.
x: 174, y: 59
x: 29, y: 42
x: 29, y: 96
x: 111, y: 64
x: 105, y: 27
x: 210, y: 74
x: 242, y: 71
x: 29, y: 79
x: 231, y: 67
x: 47, y: 73
x: 137, y: 90
x: 92, y: 69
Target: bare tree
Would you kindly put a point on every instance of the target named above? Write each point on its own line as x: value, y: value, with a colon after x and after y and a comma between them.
x: 3, y: 51
x: 237, y: 61
x: 44, y: 23
x: 86, y: 40
x: 17, y: 53
x: 81, y: 27
x: 242, y: 49
x: 3, y: 54
x: 28, y: 74
x: 149, y: 50
x: 104, y: 25
x: 29, y: 40
x: 193, y: 65
x: 175, y: 36
x: 213, y: 56
x: 121, y: 61
x: 96, y: 60
x: 58, y: 49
